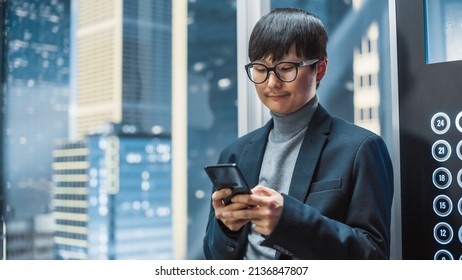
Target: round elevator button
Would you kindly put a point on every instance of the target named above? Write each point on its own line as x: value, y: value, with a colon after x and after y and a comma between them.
x: 443, y: 233
x: 442, y: 178
x: 440, y: 123
x: 442, y: 205
x: 441, y: 150
x: 443, y: 255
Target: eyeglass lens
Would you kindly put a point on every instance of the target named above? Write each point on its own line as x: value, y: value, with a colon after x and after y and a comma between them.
x: 286, y: 72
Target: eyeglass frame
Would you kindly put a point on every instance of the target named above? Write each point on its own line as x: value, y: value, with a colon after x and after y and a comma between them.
x: 297, y: 65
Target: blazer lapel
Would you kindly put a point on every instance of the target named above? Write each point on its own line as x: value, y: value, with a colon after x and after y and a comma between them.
x: 252, y: 154
x: 310, y: 151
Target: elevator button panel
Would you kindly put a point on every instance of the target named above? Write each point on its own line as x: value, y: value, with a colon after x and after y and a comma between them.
x: 447, y: 154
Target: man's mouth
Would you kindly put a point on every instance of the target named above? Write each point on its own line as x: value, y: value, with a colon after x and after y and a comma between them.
x: 277, y: 96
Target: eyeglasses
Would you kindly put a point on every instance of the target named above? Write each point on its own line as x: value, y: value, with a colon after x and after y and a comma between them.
x: 285, y: 71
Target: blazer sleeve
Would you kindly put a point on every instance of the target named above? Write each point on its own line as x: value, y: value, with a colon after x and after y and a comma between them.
x: 219, y: 242
x: 222, y: 244
x: 363, y: 233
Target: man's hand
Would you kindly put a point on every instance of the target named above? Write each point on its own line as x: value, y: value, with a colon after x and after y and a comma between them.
x: 234, y: 224
x: 262, y: 208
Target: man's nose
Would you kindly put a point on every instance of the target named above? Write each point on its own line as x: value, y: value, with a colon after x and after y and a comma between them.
x: 273, y: 80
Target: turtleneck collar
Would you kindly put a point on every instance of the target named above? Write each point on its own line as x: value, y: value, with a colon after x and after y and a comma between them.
x: 287, y: 126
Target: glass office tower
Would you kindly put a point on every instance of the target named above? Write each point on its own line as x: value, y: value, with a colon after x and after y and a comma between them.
x: 124, y: 64
x: 35, y: 99
x: 112, y: 196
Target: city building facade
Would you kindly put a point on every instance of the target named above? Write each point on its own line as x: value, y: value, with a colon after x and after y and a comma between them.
x: 112, y: 196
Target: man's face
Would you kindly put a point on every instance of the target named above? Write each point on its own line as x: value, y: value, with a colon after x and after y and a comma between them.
x: 285, y: 98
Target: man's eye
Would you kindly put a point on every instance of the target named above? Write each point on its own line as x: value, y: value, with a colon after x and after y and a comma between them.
x: 259, y: 69
x: 286, y: 68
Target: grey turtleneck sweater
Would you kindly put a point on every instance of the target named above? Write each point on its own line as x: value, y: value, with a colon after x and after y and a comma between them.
x: 281, y: 153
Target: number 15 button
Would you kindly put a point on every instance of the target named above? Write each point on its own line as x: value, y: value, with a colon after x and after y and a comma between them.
x: 442, y: 205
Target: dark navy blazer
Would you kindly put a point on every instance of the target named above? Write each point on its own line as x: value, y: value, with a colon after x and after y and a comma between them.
x: 339, y: 201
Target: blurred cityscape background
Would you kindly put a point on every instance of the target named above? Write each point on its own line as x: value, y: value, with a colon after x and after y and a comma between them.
x: 86, y: 116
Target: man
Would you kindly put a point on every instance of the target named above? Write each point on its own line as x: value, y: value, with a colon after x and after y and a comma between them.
x: 323, y: 187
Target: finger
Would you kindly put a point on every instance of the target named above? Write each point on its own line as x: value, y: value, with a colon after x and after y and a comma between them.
x: 242, y: 214
x: 264, y: 226
x: 235, y: 206
x: 263, y: 191
x: 251, y: 200
x: 266, y: 220
x: 248, y: 199
x: 221, y: 194
x: 230, y: 208
x: 262, y: 230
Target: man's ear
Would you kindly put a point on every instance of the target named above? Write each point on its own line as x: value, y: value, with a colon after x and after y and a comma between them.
x: 322, y: 68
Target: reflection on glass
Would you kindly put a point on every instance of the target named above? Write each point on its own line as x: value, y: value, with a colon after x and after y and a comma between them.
x: 212, y: 98
x: 36, y: 98
x: 443, y: 30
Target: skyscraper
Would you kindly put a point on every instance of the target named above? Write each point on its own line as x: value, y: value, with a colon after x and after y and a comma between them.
x: 112, y: 197
x: 112, y: 183
x: 124, y: 64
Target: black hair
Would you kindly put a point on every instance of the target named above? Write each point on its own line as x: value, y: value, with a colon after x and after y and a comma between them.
x: 274, y: 34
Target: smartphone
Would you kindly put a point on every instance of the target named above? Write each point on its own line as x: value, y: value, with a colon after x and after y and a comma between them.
x: 227, y: 175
